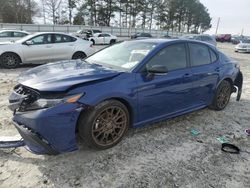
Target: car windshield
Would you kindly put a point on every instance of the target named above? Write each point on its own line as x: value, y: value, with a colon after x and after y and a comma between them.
x: 125, y: 55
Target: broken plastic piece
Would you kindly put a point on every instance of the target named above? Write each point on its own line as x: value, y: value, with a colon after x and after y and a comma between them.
x: 195, y: 132
x: 11, y: 144
x: 222, y: 139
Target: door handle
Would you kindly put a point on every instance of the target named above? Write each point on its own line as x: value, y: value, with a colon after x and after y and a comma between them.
x: 187, y: 75
x: 48, y: 46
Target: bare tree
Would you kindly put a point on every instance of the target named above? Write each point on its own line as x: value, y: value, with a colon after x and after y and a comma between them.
x: 51, y: 7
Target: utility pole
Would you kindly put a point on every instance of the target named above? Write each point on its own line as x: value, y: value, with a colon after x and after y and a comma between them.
x: 217, y: 27
x: 242, y: 31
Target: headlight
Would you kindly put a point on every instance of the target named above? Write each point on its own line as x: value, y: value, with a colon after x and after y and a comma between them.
x: 47, y: 103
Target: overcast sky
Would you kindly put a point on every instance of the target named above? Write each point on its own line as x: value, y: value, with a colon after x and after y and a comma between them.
x: 234, y: 15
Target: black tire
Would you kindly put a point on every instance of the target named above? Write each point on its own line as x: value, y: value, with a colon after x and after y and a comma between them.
x: 10, y: 60
x: 104, y: 126
x: 112, y: 42
x: 79, y: 55
x: 222, y: 96
x: 93, y: 41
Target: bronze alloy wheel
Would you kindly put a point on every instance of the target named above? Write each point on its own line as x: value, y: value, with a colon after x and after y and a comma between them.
x: 109, y: 126
x: 223, y: 96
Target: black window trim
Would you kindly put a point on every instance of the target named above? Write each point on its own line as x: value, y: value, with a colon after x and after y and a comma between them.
x: 143, y: 68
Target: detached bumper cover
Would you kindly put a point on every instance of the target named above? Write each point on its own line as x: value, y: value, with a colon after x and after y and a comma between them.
x: 49, y: 131
x: 239, y: 83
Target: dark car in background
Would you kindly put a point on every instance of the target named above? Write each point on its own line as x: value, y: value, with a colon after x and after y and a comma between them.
x: 203, y: 37
x: 237, y: 39
x: 224, y: 38
x: 130, y: 84
x: 141, y: 35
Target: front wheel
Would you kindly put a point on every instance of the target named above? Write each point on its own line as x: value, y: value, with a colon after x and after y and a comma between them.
x: 10, y: 60
x: 222, y: 96
x: 105, y: 125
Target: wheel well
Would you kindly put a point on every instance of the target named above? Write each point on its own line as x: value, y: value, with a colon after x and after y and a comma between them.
x: 79, y: 52
x: 12, y: 53
x: 130, y: 110
x: 231, y: 83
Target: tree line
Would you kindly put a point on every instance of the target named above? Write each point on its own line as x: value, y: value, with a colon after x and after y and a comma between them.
x: 176, y: 15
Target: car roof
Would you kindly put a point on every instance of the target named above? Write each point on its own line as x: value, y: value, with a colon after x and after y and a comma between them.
x: 164, y: 41
x: 13, y: 30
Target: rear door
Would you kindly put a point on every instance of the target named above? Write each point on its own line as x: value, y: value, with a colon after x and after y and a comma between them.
x: 166, y: 94
x: 99, y: 39
x: 205, y: 70
x: 63, y: 47
x: 107, y: 38
x: 41, y: 49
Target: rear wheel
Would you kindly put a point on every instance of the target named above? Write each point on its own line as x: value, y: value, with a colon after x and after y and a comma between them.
x: 10, y: 60
x: 79, y: 55
x: 105, y: 125
x: 93, y: 41
x: 222, y: 96
x: 112, y: 42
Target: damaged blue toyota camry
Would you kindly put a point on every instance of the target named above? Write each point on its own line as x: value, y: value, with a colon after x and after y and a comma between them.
x: 129, y: 84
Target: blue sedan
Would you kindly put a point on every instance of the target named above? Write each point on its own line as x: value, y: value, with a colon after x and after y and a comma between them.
x: 126, y: 85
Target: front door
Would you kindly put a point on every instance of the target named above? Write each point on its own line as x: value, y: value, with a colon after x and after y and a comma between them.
x: 162, y: 95
x: 39, y: 50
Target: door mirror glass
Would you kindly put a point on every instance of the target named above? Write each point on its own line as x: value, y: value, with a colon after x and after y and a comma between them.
x: 157, y: 69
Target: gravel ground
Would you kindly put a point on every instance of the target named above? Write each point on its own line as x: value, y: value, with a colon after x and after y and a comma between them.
x: 161, y: 155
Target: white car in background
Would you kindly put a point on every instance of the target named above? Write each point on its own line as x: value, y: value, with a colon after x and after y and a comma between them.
x: 42, y: 48
x: 103, y: 38
x: 243, y: 46
x: 12, y: 35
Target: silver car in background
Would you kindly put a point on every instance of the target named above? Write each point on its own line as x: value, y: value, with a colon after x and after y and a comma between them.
x: 12, y: 35
x: 243, y: 46
x: 203, y: 37
x: 42, y: 48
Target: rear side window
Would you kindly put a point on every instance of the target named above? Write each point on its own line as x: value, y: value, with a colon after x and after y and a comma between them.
x: 199, y: 54
x: 173, y: 57
x: 63, y: 38
x: 19, y: 34
x: 6, y: 34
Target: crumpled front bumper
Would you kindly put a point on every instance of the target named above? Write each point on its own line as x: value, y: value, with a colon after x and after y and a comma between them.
x: 49, y: 131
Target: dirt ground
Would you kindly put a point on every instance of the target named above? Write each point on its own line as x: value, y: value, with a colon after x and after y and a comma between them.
x: 160, y: 155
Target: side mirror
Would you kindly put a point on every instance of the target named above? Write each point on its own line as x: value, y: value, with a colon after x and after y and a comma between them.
x: 29, y: 42
x: 157, y: 69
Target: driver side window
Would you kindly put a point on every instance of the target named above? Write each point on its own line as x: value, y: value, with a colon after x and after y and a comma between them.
x: 42, y: 39
x: 172, y: 57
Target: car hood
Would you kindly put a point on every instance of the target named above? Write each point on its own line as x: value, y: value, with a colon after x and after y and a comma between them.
x: 61, y: 76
